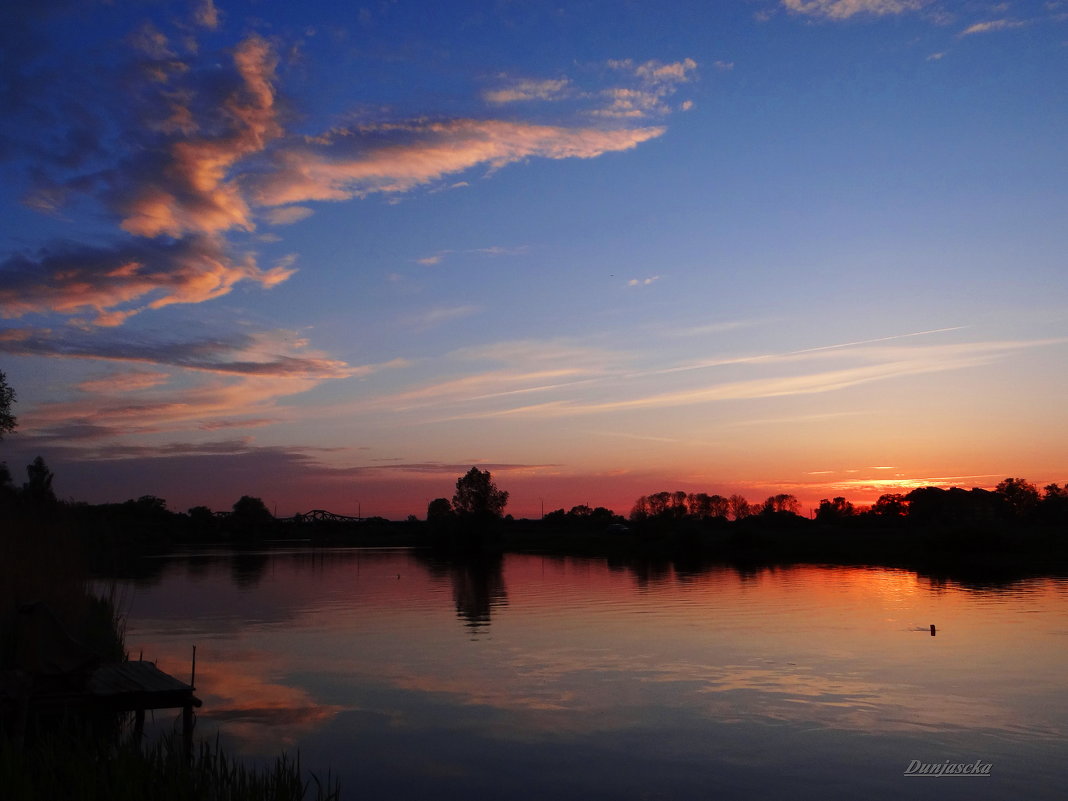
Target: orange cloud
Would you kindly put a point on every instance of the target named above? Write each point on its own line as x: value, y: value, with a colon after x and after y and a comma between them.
x: 397, y: 157
x: 124, y: 382
x: 206, y: 15
x: 152, y: 274
x: 185, y: 189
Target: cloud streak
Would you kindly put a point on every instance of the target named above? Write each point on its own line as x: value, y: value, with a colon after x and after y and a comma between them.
x: 526, y: 89
x: 844, y: 9
x: 594, y: 382
x: 268, y: 354
x: 398, y: 157
x: 112, y: 284
x: 991, y: 26
x: 889, y: 363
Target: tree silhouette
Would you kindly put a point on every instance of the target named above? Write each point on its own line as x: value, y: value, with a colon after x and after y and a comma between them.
x: 837, y: 509
x: 438, y: 509
x: 477, y: 495
x: 779, y: 504
x: 1020, y: 495
x: 7, y: 399
x: 739, y: 507
x: 250, y: 517
x: 1053, y: 507
x: 38, y: 487
x: 890, y: 504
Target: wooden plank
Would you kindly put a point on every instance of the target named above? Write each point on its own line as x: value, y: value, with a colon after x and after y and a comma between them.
x: 134, y: 677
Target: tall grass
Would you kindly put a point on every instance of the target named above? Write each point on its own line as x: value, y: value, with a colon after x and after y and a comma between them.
x: 71, y: 766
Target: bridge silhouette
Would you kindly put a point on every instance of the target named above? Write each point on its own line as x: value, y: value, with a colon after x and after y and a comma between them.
x: 323, y: 516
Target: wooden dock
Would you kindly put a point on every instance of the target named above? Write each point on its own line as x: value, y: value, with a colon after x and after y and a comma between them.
x: 54, y: 673
x: 126, y: 687
x: 137, y: 686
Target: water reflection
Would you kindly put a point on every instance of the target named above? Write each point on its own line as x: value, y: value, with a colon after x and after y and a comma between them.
x: 247, y: 567
x: 655, y: 678
x: 477, y: 584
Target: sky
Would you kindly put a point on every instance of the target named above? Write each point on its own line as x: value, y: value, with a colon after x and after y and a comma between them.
x: 334, y: 255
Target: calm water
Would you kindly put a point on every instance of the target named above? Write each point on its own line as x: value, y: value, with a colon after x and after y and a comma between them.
x: 534, y: 678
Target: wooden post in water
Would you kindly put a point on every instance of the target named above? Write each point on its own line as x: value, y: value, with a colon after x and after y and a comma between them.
x: 932, y: 629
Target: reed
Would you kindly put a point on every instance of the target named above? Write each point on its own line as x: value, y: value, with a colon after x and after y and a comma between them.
x: 67, y: 765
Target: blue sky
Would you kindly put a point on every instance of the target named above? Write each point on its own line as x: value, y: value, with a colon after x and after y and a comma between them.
x: 328, y: 255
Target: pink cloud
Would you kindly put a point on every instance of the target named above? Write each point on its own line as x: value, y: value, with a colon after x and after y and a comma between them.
x: 396, y: 157
x: 124, y: 382
x: 206, y: 15
x: 119, y: 282
x: 184, y: 187
x: 275, y: 354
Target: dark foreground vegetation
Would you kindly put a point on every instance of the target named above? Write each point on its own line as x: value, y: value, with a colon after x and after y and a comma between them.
x: 75, y: 766
x: 71, y: 751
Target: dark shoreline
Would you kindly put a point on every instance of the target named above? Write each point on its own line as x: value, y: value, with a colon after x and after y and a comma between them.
x: 976, y: 556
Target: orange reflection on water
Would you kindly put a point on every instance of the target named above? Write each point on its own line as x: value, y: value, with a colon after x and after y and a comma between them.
x: 536, y: 647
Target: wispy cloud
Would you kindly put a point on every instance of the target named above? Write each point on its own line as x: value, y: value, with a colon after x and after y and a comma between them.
x: 606, y: 382
x: 644, y: 281
x: 111, y: 284
x: 844, y: 9
x: 125, y: 382
x: 653, y: 82
x: 207, y: 385
x: 441, y: 315
x: 715, y: 328
x: 886, y: 363
x: 436, y: 258
x: 992, y: 25
x: 630, y: 435
x: 398, y: 157
x: 515, y: 90
x: 272, y: 354
x: 794, y: 354
x: 480, y: 387
x: 287, y: 215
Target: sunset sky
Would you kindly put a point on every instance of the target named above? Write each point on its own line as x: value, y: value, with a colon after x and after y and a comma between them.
x: 333, y: 255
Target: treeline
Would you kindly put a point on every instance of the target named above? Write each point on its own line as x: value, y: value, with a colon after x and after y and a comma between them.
x: 1013, y: 500
x: 702, y: 506
x: 140, y: 521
